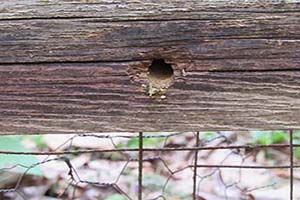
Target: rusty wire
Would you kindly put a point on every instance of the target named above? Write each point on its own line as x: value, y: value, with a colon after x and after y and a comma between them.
x: 75, y: 179
x: 291, y: 165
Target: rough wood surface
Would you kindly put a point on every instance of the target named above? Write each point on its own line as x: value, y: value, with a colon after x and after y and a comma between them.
x: 123, y: 10
x: 81, y: 40
x: 81, y: 66
x: 101, y: 97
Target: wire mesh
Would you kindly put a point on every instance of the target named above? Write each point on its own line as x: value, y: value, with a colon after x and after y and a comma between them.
x: 164, y: 156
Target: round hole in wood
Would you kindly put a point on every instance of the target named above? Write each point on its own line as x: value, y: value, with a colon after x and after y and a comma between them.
x: 160, y: 73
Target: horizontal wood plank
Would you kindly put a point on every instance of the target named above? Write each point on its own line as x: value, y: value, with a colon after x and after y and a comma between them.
x: 118, y: 10
x: 82, y: 66
x: 86, y: 40
x: 101, y: 97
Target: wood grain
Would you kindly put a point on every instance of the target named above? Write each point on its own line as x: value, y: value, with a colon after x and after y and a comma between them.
x: 120, y: 10
x: 76, y: 98
x: 85, y: 40
x: 81, y: 66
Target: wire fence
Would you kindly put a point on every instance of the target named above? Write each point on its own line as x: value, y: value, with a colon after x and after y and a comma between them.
x: 164, y: 155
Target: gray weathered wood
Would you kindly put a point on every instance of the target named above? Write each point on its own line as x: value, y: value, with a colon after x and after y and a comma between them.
x: 123, y: 10
x: 82, y: 66
x: 68, y: 98
x: 91, y: 40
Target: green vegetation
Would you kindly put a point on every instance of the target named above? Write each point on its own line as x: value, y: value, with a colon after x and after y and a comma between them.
x: 269, y: 137
x: 13, y: 143
x: 147, y: 142
x: 275, y: 137
x: 115, y: 197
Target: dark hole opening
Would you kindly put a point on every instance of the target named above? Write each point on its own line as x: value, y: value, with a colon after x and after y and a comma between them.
x: 160, y: 71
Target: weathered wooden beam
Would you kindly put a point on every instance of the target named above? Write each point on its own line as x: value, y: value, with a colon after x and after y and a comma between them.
x: 79, y: 40
x: 120, y: 10
x: 84, y: 66
x: 68, y: 98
